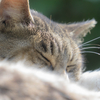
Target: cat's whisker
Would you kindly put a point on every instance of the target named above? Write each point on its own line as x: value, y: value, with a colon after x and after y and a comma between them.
x: 92, y: 44
x: 90, y: 48
x: 89, y: 41
x: 91, y: 52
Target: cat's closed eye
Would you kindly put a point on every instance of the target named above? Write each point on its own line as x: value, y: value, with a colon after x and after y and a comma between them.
x: 70, y: 68
x: 27, y: 34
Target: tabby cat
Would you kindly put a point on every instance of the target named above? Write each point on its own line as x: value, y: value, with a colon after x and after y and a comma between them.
x: 28, y: 35
x: 25, y: 33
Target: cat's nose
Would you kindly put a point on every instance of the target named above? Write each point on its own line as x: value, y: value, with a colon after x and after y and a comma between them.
x: 51, y: 67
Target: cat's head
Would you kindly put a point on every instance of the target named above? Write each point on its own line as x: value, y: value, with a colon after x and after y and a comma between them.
x: 28, y: 33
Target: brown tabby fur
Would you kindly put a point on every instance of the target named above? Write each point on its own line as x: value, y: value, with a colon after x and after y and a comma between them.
x: 25, y: 33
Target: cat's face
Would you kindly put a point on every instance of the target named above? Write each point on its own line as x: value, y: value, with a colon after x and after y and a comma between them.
x: 25, y: 33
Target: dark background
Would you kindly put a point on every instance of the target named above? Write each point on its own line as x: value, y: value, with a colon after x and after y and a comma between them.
x: 65, y: 11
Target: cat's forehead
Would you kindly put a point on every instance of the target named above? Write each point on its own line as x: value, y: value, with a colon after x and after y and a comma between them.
x: 17, y: 13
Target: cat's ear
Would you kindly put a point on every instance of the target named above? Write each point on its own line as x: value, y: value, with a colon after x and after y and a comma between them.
x: 79, y: 30
x: 17, y: 10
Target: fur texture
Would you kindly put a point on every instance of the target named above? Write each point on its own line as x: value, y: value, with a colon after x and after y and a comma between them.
x: 21, y: 83
x: 27, y: 34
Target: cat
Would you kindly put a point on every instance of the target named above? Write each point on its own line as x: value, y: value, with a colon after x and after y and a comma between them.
x: 27, y: 34
x: 20, y: 82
